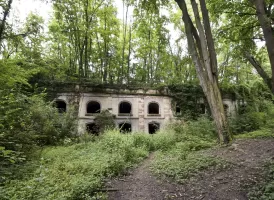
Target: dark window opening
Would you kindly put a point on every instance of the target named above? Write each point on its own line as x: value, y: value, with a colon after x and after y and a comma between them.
x: 153, y: 109
x: 125, y: 127
x: 226, y: 107
x: 178, y: 110
x: 124, y: 108
x: 92, y: 129
x: 202, y: 108
x: 93, y: 107
x: 61, y: 106
x: 153, y: 127
x: 242, y: 109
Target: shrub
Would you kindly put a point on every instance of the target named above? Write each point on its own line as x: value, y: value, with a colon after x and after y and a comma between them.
x: 256, y: 115
x: 104, y: 121
x: 53, y: 126
x: 203, y: 127
x: 262, y: 133
x: 27, y: 122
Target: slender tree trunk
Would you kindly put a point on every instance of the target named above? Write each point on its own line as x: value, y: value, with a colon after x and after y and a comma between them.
x: 105, y: 51
x: 86, y: 39
x: 6, y: 10
x: 129, y: 54
x: 124, y: 37
x: 200, y: 47
x: 260, y: 70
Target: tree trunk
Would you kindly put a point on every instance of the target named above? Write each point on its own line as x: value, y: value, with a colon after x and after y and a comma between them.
x: 129, y: 54
x: 260, y: 70
x: 200, y: 47
x: 268, y: 32
x: 3, y: 21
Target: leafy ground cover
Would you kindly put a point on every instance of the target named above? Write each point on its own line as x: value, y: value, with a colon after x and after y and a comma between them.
x: 78, y: 171
x: 261, y: 133
x: 241, y: 168
x: 182, y: 161
x: 265, y: 189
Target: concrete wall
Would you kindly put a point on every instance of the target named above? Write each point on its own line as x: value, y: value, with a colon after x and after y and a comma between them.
x: 139, y: 117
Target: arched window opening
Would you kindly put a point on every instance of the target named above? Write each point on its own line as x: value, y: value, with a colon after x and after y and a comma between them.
x: 125, y: 127
x: 93, y: 107
x: 153, y: 109
x: 61, y: 106
x: 92, y: 129
x: 153, y: 127
x: 124, y: 108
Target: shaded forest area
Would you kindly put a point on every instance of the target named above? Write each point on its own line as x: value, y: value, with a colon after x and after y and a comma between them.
x: 195, y: 48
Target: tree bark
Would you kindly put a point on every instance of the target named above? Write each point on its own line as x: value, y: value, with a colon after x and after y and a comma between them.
x: 268, y: 32
x: 260, y: 70
x: 203, y: 64
x: 3, y: 21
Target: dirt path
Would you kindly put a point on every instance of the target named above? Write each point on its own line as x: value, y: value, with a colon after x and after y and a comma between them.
x: 246, y: 156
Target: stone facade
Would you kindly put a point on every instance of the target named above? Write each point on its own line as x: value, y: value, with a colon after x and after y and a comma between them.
x: 139, y: 116
x: 138, y: 111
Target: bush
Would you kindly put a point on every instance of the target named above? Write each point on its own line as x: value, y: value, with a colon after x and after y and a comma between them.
x: 201, y: 128
x: 53, y: 126
x: 262, y: 133
x: 104, y: 121
x: 252, y: 117
x: 27, y: 122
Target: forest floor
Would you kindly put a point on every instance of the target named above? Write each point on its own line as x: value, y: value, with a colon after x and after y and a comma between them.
x: 246, y: 157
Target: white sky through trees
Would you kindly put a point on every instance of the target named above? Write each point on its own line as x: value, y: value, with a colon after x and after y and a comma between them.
x: 22, y: 8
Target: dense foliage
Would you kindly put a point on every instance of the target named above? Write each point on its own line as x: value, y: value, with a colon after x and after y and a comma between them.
x: 88, y: 40
x: 77, y: 171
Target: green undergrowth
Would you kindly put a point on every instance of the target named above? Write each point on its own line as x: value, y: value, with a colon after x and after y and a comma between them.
x: 183, y: 160
x: 261, y: 133
x: 264, y: 191
x: 180, y: 166
x: 77, y: 171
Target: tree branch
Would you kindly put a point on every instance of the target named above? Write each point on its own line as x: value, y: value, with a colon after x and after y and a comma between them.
x: 259, y: 69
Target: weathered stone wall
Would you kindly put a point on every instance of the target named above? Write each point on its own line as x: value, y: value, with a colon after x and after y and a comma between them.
x: 139, y: 118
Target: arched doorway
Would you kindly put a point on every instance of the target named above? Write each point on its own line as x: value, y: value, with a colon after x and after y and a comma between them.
x: 125, y: 127
x: 91, y: 128
x: 153, y: 127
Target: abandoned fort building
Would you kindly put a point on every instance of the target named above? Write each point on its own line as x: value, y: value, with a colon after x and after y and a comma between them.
x: 135, y: 110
